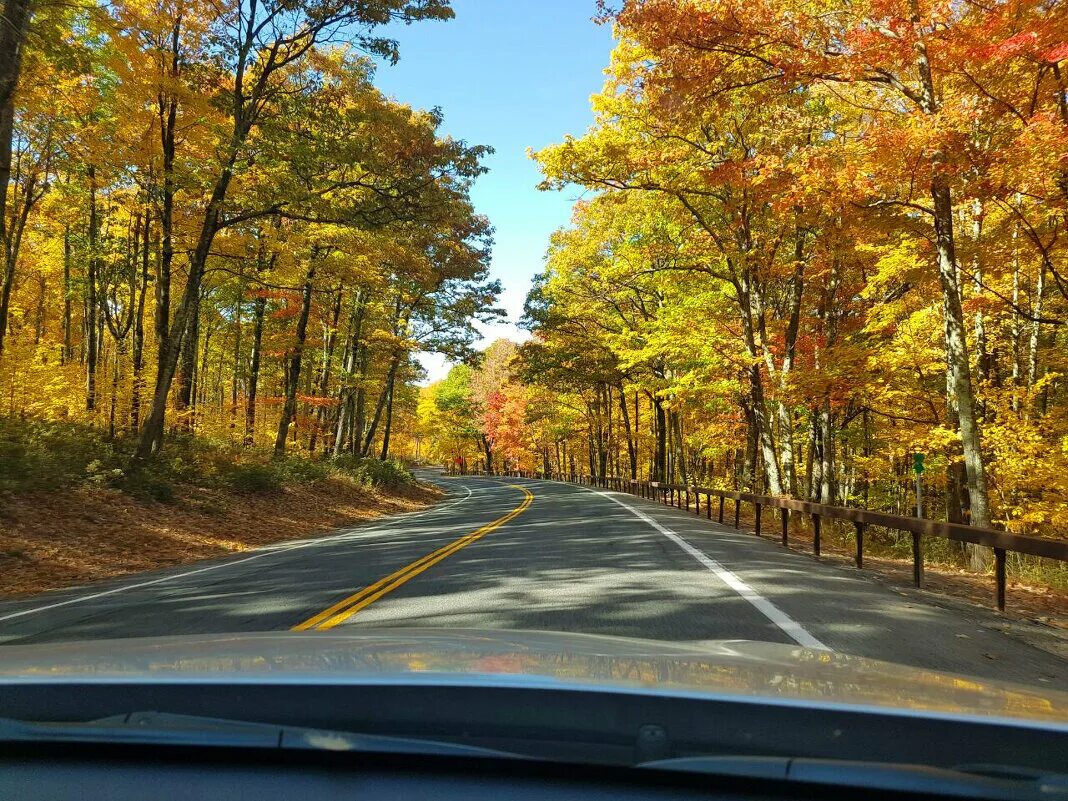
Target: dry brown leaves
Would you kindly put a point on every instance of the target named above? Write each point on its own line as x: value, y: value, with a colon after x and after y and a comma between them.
x: 51, y: 540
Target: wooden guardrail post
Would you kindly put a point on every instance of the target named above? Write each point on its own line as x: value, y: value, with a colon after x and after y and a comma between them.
x: 860, y: 543
x: 917, y: 559
x: 999, y: 578
x: 1000, y: 541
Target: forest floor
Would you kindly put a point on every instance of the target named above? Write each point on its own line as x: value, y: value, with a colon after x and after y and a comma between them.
x: 72, y: 510
x: 50, y: 540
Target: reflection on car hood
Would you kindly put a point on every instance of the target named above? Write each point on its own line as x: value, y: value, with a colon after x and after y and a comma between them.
x: 531, y: 659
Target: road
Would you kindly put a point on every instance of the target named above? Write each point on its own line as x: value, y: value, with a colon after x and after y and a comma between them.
x: 515, y: 553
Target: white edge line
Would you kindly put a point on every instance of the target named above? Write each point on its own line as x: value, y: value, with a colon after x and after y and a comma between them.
x: 270, y: 550
x: 794, y: 630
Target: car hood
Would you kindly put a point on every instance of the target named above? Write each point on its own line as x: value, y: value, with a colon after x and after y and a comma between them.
x: 768, y: 671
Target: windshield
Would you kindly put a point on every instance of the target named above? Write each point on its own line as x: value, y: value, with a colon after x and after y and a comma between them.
x: 734, y: 329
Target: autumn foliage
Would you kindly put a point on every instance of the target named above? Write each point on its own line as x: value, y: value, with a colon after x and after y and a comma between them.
x: 820, y: 238
x: 215, y: 223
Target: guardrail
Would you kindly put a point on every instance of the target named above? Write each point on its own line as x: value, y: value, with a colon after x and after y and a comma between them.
x: 679, y: 495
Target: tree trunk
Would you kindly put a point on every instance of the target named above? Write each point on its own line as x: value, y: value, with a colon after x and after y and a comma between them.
x: 200, y: 376
x: 757, y: 404
x: 660, y: 458
x: 389, y: 423
x: 139, y: 330
x: 784, y: 415
x: 114, y: 392
x: 7, y: 284
x: 346, y: 395
x: 170, y: 347
x: 957, y: 355
x: 487, y: 449
x: 979, y: 320
x: 292, y: 376
x: 91, y: 308
x: 632, y: 445
x: 828, y: 485
x: 365, y: 444
x: 184, y: 400
x: 68, y: 351
x: 680, y: 450
x: 16, y: 21
x: 167, y: 110
x: 959, y: 371
x: 235, y: 378
x: 1016, y: 328
x: 258, y: 310
x: 816, y: 460
x: 322, y: 383
x: 1033, y: 339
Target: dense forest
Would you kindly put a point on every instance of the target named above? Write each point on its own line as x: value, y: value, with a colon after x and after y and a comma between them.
x: 213, y: 222
x: 812, y: 242
x: 816, y: 240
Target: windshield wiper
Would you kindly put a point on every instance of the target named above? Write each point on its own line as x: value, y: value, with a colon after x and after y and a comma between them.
x: 164, y: 728
x: 965, y: 782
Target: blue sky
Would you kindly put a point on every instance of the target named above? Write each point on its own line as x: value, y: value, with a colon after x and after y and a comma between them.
x: 511, y: 74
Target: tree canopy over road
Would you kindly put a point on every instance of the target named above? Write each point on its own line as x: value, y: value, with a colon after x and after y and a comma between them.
x: 819, y: 239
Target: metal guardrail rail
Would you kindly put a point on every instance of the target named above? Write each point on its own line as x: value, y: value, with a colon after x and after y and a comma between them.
x: 679, y: 495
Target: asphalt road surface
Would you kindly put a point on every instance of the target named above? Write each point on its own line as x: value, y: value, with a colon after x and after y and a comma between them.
x: 526, y: 554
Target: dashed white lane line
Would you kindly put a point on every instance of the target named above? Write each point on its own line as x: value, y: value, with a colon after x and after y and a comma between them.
x: 791, y: 627
x: 269, y: 551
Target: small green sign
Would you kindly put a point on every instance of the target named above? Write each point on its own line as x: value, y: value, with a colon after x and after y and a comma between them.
x: 917, y: 462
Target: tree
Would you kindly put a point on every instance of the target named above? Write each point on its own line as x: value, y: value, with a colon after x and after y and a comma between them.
x: 822, y: 239
x: 260, y: 46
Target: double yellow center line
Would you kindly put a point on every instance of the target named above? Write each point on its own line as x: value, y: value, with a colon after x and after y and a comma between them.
x: 347, y: 607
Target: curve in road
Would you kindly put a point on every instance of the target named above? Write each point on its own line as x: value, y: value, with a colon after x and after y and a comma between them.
x: 575, y: 559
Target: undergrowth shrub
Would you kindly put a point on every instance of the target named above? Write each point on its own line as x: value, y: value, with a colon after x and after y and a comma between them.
x: 51, y: 455
x: 45, y: 455
x: 387, y: 473
x: 254, y: 478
